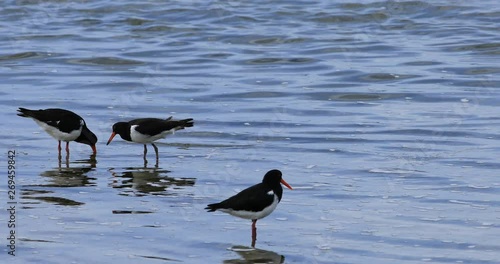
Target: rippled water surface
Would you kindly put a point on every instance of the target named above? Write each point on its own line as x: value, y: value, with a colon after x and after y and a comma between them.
x: 383, y: 116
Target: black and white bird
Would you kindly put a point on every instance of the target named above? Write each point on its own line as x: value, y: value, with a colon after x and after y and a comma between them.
x: 148, y: 130
x: 255, y: 202
x: 62, y: 125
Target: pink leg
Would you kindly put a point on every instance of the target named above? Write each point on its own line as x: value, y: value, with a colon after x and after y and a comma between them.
x: 67, y: 147
x: 59, y: 147
x: 254, y: 232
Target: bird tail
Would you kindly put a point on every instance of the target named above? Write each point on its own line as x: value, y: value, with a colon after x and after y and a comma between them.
x: 187, y: 122
x: 181, y: 124
x: 212, y: 207
x: 24, y: 112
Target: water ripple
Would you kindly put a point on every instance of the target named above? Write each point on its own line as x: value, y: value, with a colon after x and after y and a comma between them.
x: 105, y: 61
x: 381, y: 114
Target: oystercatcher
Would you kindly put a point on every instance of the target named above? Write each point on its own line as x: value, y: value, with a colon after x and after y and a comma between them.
x: 255, y: 202
x: 62, y: 125
x: 148, y: 130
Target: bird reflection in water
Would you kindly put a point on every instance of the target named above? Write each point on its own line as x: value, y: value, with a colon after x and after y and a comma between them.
x: 147, y: 181
x: 255, y: 255
x: 91, y: 161
x: 62, y: 176
x: 71, y: 176
x: 66, y: 160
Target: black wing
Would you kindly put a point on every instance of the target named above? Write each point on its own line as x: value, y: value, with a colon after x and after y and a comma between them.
x: 254, y: 199
x: 62, y: 119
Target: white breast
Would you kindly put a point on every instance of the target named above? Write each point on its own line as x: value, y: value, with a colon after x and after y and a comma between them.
x: 141, y: 138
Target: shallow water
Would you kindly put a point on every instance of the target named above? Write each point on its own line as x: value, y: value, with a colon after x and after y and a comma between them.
x: 383, y: 116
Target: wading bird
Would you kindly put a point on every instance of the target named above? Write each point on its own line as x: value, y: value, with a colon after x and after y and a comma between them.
x: 255, y: 202
x: 62, y: 125
x: 148, y: 130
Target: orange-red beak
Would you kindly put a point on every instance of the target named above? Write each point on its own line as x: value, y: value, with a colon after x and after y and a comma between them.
x: 111, y: 137
x: 94, y: 149
x: 286, y: 184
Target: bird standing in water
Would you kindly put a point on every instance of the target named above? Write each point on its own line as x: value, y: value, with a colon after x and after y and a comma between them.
x: 148, y: 130
x: 62, y: 125
x: 255, y: 202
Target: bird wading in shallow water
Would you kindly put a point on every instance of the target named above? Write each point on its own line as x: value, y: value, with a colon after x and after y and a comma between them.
x: 62, y: 125
x: 148, y: 130
x: 255, y: 202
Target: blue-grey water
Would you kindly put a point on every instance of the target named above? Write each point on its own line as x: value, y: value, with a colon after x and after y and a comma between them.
x: 383, y: 116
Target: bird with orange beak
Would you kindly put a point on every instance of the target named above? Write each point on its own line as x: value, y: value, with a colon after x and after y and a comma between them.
x: 255, y: 202
x: 147, y: 130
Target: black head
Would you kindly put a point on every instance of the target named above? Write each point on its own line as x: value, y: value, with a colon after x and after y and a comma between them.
x: 88, y: 138
x: 273, y: 179
x: 122, y: 129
